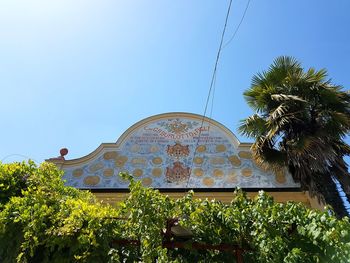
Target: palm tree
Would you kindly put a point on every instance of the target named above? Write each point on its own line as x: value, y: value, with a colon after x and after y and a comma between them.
x: 300, y: 123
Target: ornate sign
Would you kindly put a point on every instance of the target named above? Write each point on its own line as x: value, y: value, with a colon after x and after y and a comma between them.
x: 175, y: 150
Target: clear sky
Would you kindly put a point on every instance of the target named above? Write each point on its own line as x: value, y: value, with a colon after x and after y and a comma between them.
x: 78, y: 73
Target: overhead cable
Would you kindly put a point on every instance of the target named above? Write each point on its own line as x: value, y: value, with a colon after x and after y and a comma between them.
x: 212, y: 82
x: 239, y: 25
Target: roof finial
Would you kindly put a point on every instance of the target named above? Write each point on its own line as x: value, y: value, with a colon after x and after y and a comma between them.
x: 63, y: 152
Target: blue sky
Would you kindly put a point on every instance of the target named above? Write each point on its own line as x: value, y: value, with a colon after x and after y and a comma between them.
x: 78, y: 73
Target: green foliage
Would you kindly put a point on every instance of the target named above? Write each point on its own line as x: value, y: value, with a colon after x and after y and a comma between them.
x: 41, y: 220
x: 46, y: 221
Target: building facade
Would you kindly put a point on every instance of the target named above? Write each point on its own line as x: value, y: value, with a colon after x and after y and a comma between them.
x: 176, y: 152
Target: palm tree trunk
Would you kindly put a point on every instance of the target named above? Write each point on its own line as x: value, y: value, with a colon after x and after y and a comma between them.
x: 331, y: 196
x: 340, y: 172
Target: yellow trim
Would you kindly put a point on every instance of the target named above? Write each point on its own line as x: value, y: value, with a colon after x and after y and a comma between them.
x: 226, y: 197
x: 88, y: 157
x: 315, y: 203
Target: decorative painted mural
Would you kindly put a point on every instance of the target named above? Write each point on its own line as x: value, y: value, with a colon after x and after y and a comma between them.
x: 174, y: 151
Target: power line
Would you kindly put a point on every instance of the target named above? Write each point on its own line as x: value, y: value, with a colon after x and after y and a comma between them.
x: 211, y: 84
x: 217, y: 59
x: 227, y: 43
x: 212, y: 99
x: 239, y: 25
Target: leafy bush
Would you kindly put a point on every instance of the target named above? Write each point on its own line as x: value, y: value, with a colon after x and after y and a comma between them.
x: 41, y: 220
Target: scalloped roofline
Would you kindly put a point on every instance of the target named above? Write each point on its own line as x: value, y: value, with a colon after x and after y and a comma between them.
x: 124, y: 136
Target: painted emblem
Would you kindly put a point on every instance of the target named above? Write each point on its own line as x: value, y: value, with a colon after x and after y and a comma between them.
x: 178, y: 150
x: 176, y: 126
x: 178, y: 173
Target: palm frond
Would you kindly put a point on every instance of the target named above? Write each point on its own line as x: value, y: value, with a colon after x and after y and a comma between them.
x: 254, y: 126
x: 283, y: 97
x: 268, y: 157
